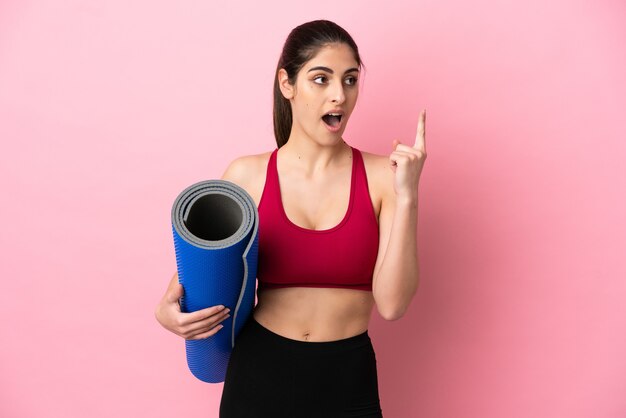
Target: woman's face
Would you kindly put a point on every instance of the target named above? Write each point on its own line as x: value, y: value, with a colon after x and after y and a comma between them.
x: 325, y: 93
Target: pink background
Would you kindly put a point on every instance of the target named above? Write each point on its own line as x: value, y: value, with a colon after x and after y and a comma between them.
x: 109, y: 109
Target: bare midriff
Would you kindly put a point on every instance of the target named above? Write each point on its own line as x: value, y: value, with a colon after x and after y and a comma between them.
x: 314, y: 314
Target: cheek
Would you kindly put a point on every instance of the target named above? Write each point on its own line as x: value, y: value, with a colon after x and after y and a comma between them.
x: 353, y: 97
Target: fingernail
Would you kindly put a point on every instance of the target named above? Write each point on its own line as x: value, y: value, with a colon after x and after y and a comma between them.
x: 226, y: 310
x: 220, y: 307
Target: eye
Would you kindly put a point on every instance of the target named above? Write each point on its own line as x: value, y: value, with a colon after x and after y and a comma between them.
x: 318, y: 77
x: 351, y: 80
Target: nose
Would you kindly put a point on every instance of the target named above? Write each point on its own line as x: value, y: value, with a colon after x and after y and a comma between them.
x: 337, y: 94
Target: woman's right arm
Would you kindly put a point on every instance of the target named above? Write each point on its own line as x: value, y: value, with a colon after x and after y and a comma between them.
x: 193, y: 325
x: 205, y: 322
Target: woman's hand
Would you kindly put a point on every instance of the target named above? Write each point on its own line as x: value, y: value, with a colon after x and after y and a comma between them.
x: 407, y: 162
x: 193, y: 325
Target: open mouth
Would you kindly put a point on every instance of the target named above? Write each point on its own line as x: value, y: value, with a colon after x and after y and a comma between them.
x: 332, y: 119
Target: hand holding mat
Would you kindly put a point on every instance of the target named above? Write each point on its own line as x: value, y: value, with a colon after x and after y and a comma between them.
x: 215, y: 228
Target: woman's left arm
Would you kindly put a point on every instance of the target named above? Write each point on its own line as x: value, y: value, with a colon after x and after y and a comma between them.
x: 396, y: 273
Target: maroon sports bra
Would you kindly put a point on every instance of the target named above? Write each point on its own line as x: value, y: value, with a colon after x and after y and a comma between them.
x: 342, y: 256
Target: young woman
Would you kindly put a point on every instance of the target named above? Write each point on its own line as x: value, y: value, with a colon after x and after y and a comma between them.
x: 337, y: 235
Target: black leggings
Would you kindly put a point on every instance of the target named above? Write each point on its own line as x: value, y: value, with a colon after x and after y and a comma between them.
x: 271, y: 376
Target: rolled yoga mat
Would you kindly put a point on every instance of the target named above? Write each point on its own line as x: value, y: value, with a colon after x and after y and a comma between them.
x: 215, y: 226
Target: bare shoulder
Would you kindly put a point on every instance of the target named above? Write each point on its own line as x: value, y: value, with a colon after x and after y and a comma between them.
x: 380, y: 177
x: 248, y: 172
x: 243, y: 168
x: 378, y: 168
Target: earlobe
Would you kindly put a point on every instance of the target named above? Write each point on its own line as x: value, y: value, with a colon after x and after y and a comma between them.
x: 283, y: 82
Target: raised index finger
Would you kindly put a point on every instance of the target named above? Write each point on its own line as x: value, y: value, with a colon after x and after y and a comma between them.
x: 420, y: 139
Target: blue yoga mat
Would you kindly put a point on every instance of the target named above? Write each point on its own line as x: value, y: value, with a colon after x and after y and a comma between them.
x: 215, y: 225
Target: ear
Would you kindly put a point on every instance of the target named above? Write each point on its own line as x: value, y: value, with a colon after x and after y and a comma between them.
x: 286, y: 89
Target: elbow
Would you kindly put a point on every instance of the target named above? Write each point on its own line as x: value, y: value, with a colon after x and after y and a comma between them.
x: 395, y: 311
x: 392, y: 314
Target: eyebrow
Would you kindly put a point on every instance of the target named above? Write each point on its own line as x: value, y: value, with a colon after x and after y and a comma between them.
x: 328, y: 70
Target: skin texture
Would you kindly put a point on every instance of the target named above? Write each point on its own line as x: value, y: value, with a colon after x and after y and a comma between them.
x: 314, y: 169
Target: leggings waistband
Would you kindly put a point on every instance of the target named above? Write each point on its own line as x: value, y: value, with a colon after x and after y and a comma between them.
x: 344, y: 344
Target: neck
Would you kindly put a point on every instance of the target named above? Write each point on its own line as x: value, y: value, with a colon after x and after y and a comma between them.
x: 311, y: 156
